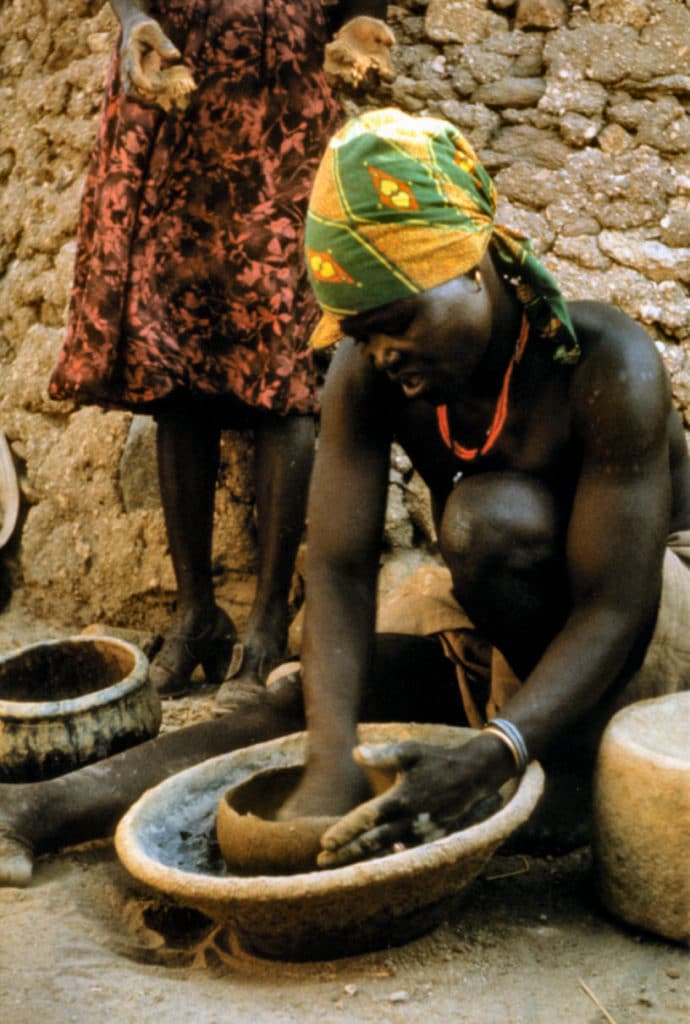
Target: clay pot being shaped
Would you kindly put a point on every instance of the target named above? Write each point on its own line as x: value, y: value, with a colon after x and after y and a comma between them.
x: 67, y: 703
x: 251, y: 838
x: 254, y: 841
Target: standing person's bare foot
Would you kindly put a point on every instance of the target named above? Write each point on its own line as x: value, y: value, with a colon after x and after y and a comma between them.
x: 252, y: 676
x: 183, y: 650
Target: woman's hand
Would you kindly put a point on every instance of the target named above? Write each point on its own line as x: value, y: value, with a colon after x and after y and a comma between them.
x: 146, y: 69
x: 361, y: 48
x: 437, y: 790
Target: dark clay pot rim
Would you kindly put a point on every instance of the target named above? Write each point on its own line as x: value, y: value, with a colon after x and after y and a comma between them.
x: 19, y: 710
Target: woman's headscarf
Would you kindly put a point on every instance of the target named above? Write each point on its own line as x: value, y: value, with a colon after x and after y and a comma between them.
x: 401, y: 204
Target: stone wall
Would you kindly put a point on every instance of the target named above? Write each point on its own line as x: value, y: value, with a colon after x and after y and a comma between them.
x: 579, y: 110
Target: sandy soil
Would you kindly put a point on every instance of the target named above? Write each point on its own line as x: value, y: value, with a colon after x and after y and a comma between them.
x: 85, y: 943
x: 528, y: 944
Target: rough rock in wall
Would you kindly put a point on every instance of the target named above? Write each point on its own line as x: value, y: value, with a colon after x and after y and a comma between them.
x: 580, y: 110
x: 586, y: 129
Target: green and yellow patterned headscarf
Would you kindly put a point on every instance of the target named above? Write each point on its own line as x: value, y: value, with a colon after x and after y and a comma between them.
x: 401, y: 204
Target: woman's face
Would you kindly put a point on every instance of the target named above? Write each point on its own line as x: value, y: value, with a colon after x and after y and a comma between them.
x: 431, y: 343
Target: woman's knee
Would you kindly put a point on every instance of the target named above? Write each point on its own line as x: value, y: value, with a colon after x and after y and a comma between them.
x: 499, y: 522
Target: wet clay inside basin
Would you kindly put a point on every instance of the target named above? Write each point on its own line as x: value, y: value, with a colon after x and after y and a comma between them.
x: 67, y: 703
x: 168, y: 841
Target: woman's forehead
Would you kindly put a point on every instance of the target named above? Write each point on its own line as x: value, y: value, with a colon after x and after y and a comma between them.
x: 398, y: 313
x: 379, y: 315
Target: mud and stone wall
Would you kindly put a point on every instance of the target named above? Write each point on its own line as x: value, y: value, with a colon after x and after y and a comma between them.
x: 581, y: 112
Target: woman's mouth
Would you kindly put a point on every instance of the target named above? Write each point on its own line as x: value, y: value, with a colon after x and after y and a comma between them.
x: 413, y: 384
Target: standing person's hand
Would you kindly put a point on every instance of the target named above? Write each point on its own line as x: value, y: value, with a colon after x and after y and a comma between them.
x: 359, y: 49
x: 148, y: 68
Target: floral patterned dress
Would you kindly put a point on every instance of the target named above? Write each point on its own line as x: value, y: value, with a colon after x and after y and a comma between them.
x: 190, y: 274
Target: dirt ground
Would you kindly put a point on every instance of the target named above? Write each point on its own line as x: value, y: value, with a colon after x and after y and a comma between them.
x: 528, y: 944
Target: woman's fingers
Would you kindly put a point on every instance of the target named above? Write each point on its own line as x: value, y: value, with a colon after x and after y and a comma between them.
x: 361, y: 819
x: 361, y: 46
x: 145, y: 38
x: 394, y: 756
x: 376, y: 840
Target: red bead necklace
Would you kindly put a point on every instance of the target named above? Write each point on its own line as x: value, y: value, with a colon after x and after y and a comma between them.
x: 500, y: 412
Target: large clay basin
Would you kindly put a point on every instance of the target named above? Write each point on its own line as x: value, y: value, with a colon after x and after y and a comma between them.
x: 67, y: 703
x: 168, y: 841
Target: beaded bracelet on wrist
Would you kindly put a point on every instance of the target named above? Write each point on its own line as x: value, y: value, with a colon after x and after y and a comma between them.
x: 513, y: 739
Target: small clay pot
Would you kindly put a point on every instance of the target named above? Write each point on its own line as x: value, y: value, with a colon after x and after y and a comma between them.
x: 251, y: 838
x: 67, y: 703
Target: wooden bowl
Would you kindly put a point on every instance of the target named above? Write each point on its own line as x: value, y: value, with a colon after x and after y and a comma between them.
x: 67, y: 703
x: 167, y: 840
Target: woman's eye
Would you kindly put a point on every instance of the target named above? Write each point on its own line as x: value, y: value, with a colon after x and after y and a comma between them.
x: 393, y: 358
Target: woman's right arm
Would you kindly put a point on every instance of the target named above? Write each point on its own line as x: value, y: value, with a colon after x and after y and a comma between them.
x: 345, y: 526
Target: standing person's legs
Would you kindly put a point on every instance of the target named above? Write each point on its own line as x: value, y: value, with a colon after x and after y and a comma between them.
x: 284, y: 456
x: 188, y: 457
